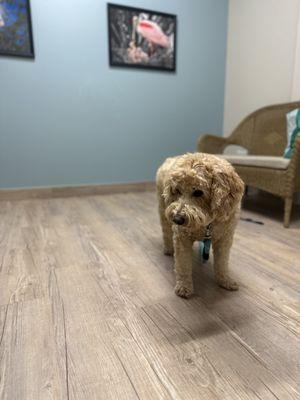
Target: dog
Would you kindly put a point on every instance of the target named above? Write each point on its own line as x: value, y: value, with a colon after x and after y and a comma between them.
x: 198, y: 192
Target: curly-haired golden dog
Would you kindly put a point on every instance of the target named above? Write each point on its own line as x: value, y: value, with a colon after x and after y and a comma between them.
x: 197, y: 191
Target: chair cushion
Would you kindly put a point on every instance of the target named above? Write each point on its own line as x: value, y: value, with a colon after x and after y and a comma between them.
x: 257, y: 161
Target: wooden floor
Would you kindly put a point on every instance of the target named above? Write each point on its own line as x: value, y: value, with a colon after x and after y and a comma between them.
x: 88, y: 309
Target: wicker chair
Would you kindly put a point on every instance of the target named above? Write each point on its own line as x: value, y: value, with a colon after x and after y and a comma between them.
x: 264, y: 134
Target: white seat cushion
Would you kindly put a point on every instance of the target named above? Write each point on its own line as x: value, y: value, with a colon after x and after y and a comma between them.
x: 257, y: 161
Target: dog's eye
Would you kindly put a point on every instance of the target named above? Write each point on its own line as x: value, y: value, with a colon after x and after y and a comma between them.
x: 177, y: 191
x: 197, y: 193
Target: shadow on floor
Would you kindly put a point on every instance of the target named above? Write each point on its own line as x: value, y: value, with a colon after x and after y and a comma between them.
x: 209, y: 305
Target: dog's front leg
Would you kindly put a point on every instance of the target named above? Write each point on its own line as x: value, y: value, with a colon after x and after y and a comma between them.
x: 221, y: 249
x: 183, y: 247
x: 166, y: 229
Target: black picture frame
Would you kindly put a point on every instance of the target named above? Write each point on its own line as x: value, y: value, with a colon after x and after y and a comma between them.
x: 28, y: 50
x: 118, y: 56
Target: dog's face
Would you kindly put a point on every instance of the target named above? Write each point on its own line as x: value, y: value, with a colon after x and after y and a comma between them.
x: 196, y: 194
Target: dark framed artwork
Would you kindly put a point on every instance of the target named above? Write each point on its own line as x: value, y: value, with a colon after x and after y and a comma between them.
x: 15, y: 28
x: 141, y: 38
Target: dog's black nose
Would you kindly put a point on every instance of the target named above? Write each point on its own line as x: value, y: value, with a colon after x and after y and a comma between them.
x: 179, y: 220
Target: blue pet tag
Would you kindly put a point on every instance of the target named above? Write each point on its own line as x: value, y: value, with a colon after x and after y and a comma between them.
x: 204, y: 245
x: 204, y: 249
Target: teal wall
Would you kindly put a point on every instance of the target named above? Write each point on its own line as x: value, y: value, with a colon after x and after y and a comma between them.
x: 67, y: 118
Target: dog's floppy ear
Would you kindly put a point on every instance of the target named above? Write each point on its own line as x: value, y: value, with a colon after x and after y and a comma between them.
x: 170, y: 184
x: 167, y: 191
x: 226, y: 192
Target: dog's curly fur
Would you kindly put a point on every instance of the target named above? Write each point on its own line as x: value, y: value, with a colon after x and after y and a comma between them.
x: 194, y: 191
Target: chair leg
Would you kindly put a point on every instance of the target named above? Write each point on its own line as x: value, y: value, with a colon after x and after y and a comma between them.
x: 288, y: 202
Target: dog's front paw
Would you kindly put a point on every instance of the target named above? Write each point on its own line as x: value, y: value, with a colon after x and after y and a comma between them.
x: 183, y: 290
x: 227, y: 283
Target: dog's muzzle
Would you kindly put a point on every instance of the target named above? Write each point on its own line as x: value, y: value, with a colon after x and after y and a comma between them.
x: 179, y: 219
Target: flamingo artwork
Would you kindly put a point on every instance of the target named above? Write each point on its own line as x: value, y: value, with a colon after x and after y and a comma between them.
x: 141, y: 38
x: 153, y: 33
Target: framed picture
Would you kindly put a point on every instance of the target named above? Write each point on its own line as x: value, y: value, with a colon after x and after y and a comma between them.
x: 141, y: 38
x: 15, y: 28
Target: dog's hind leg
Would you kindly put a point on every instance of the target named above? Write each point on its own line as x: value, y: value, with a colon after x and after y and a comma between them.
x: 221, y: 250
x: 183, y: 266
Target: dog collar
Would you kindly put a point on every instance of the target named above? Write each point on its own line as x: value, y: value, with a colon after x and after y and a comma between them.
x: 208, y: 232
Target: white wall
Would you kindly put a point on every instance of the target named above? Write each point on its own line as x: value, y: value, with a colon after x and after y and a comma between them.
x: 296, y: 77
x: 263, y: 57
